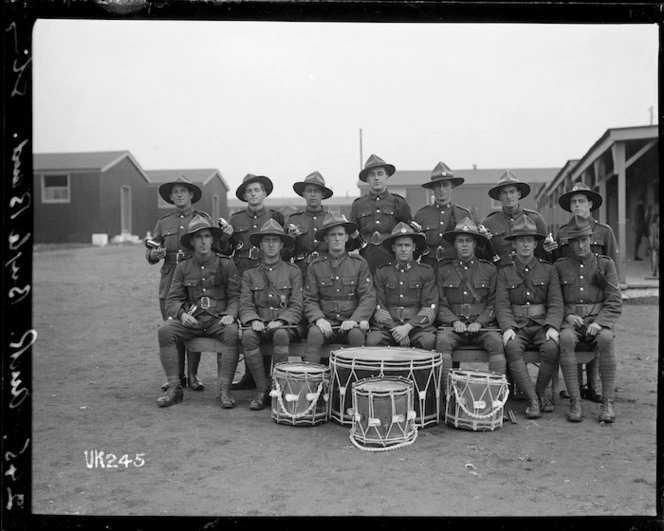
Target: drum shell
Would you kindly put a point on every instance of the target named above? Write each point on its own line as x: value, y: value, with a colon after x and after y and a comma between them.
x: 297, y: 379
x: 483, y: 394
x: 422, y: 367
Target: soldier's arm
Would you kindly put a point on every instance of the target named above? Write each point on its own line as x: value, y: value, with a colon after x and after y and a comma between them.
x: 488, y: 316
x: 312, y: 311
x: 429, y: 301
x: 177, y: 294
x: 503, y: 305
x: 233, y: 288
x: 366, y: 294
x: 611, y: 250
x: 542, y: 229
x: 247, y: 306
x: 157, y: 237
x: 555, y: 308
x: 402, y: 210
x: 445, y: 314
x: 294, y: 311
x: 381, y: 315
x: 612, y: 308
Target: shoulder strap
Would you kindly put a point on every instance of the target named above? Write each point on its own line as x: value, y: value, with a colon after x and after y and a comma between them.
x: 469, y: 285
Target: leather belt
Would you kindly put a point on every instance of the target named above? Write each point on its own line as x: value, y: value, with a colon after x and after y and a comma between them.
x: 252, y: 253
x: 401, y: 313
x: 528, y: 310
x: 468, y: 310
x: 307, y: 257
x: 584, y: 309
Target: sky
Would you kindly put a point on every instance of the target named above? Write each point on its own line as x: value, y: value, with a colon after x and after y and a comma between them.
x: 286, y: 99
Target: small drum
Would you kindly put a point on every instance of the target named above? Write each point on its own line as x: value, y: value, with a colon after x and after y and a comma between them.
x: 422, y: 367
x: 383, y: 414
x: 300, y: 393
x: 475, y: 400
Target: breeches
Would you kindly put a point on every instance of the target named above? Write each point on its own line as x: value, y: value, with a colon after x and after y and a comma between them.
x: 534, y: 336
x: 173, y: 330
x: 281, y: 337
x: 315, y: 340
x: 424, y: 338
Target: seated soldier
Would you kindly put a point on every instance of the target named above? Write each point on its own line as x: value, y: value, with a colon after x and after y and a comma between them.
x: 270, y: 305
x: 406, y: 295
x: 467, y: 291
x: 339, y: 295
x: 529, y: 308
x: 593, y: 304
x: 202, y: 302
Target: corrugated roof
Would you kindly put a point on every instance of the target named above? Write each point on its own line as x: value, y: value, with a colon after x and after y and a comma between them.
x: 196, y: 176
x: 88, y: 161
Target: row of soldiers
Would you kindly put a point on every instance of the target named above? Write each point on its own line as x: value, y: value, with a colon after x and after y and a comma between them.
x: 437, y: 280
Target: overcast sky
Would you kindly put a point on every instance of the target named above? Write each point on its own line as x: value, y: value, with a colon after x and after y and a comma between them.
x: 285, y: 99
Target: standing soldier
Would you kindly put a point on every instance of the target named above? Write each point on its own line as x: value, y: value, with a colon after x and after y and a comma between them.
x: 500, y: 223
x: 593, y: 304
x: 202, y: 302
x: 170, y: 228
x: 406, y: 295
x: 529, y: 308
x: 581, y: 201
x: 339, y: 294
x: 467, y: 292
x: 440, y: 217
x: 253, y: 191
x: 270, y: 306
x: 304, y: 224
x: 377, y: 212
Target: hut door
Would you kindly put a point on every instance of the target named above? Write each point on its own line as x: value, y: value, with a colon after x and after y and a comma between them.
x: 125, y: 210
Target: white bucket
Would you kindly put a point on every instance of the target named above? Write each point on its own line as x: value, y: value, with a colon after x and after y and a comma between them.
x: 100, y: 240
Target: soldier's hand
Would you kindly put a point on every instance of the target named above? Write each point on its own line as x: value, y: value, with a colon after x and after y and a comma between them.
x: 227, y: 320
x: 574, y: 320
x: 364, y: 326
x: 324, y: 326
x: 507, y: 335
x: 552, y: 333
x: 273, y: 325
x: 459, y: 327
x: 188, y: 320
x: 348, y: 325
x: 257, y: 326
x: 227, y: 229
x: 550, y: 246
x: 405, y: 342
x: 473, y: 328
x: 157, y: 254
x: 593, y: 329
x: 401, y: 332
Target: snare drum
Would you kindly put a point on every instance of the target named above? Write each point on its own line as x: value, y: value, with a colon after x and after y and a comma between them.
x: 422, y: 367
x: 383, y: 414
x: 300, y: 393
x: 475, y: 400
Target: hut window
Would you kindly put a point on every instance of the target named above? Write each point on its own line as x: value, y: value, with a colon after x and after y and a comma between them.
x: 55, y: 189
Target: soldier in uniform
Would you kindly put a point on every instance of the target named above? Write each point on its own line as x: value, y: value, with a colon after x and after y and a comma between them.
x: 467, y: 292
x: 500, y: 223
x: 270, y: 305
x: 440, y: 217
x: 168, y: 231
x: 581, y: 201
x: 406, y: 295
x: 303, y: 224
x: 339, y: 294
x: 202, y: 302
x: 593, y: 304
x: 377, y: 212
x: 529, y: 308
x: 242, y: 224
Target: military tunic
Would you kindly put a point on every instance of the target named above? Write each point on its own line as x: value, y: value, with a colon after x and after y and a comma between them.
x: 499, y: 223
x: 405, y: 294
x: 375, y: 216
x: 244, y: 223
x: 435, y: 221
x: 602, y: 241
x: 307, y: 222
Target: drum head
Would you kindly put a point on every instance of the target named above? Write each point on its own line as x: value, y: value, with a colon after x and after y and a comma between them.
x: 460, y: 374
x: 382, y: 353
x: 298, y: 367
x: 381, y: 385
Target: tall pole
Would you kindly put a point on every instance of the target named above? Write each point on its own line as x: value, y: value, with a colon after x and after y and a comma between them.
x: 361, y: 157
x: 651, y: 114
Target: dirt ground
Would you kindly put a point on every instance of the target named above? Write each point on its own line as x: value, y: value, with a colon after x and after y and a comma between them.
x: 96, y: 376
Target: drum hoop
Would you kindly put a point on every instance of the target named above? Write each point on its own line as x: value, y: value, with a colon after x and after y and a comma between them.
x: 410, y: 354
x: 311, y: 406
x: 407, y: 442
x: 308, y: 368
x: 484, y: 415
x: 408, y: 386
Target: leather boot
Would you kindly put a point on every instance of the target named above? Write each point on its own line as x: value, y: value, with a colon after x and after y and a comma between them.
x: 227, y: 400
x: 195, y: 384
x: 606, y: 414
x: 261, y: 401
x: 173, y: 395
x: 544, y: 403
x: 183, y: 383
x: 246, y: 382
x: 254, y: 362
x: 533, y: 410
x: 575, y: 414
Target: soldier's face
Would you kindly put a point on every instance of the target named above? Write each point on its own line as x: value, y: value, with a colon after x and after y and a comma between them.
x: 403, y: 248
x: 377, y: 180
x: 181, y: 196
x: 442, y: 192
x: 271, y: 246
x: 580, y: 205
x: 202, y: 242
x: 580, y: 246
x: 524, y: 246
x: 336, y: 239
x: 509, y: 196
x: 313, y: 195
x: 254, y: 194
x: 465, y: 246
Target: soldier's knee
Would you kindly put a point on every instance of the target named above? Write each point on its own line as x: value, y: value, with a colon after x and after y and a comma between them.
x: 281, y: 338
x: 356, y: 337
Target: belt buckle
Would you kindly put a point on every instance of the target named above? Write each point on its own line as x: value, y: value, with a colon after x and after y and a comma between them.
x: 465, y: 310
x: 400, y: 310
x: 205, y: 302
x: 440, y: 253
x: 582, y: 309
x: 375, y: 238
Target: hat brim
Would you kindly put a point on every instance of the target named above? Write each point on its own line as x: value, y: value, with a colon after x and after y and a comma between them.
x: 165, y: 191
x: 451, y: 235
x: 299, y: 189
x: 349, y: 225
x: 389, y: 169
x: 565, y: 199
x: 581, y: 234
x: 217, y: 233
x: 494, y: 192
x: 265, y: 181
x: 535, y: 235
x: 456, y: 181
x: 256, y: 237
x: 418, y: 239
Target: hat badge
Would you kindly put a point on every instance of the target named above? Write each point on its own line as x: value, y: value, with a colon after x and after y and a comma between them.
x: 403, y: 229
x: 465, y: 227
x: 444, y: 173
